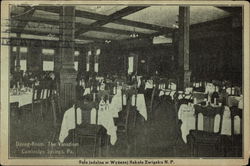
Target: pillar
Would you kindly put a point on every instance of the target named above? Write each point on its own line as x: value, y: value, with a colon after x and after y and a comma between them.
x: 183, y: 48
x: 12, y: 60
x: 34, y: 59
x: 57, y: 60
x: 66, y: 42
x: 82, y: 60
x: 18, y: 54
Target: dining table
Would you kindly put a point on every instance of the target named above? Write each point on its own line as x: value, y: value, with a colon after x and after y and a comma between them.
x: 23, y: 98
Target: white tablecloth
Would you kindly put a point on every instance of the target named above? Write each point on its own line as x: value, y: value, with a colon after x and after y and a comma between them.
x: 105, y: 117
x: 68, y: 122
x: 149, y: 84
x: 22, y: 99
x: 116, y: 104
x: 186, y: 114
x: 210, y: 88
x: 86, y: 92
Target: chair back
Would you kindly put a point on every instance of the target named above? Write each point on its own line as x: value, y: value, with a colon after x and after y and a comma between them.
x: 209, y: 113
x: 129, y: 96
x: 55, y: 110
x: 172, y: 84
x: 38, y: 93
x: 14, y: 108
x: 163, y: 83
x: 181, y: 101
x: 235, y: 111
x: 76, y: 106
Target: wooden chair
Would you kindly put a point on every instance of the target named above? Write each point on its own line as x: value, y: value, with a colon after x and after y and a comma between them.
x: 14, y: 110
x: 172, y: 82
x: 198, y: 139
x: 183, y: 101
x: 38, y: 99
x: 162, y: 134
x: 236, y: 139
x: 126, y: 121
x: 45, y: 96
x: 57, y: 117
x: 92, y: 137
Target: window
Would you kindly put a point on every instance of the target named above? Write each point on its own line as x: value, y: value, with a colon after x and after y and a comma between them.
x: 23, y: 65
x: 76, y: 66
x: 14, y: 49
x: 88, y: 61
x: 46, y: 51
x: 48, y: 65
x: 77, y: 53
x: 98, y: 51
x: 96, y: 67
x: 130, y: 64
x: 23, y: 49
x: 89, y: 52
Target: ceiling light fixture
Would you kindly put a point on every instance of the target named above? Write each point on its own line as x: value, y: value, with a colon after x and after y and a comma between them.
x: 107, y: 41
x: 134, y: 34
x: 51, y: 35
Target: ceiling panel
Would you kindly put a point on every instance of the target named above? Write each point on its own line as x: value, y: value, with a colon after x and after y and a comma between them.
x: 78, y: 41
x: 200, y: 14
x: 84, y: 20
x: 27, y: 36
x: 54, y: 16
x: 158, y: 15
x: 16, y: 9
x: 104, y: 35
x: 33, y: 26
x: 128, y: 28
x: 104, y: 9
x: 168, y: 15
x: 44, y: 14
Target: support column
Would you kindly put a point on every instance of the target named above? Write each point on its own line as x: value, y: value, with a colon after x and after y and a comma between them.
x: 67, y: 71
x: 18, y: 54
x: 82, y: 60
x: 12, y: 60
x: 34, y: 59
x: 183, y: 50
x: 57, y: 60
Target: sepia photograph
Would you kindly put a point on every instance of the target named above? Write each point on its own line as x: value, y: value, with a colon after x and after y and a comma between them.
x: 126, y: 83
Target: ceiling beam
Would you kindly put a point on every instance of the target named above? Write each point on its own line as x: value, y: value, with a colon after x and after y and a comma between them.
x: 143, y: 25
x: 115, y: 16
x: 40, y: 33
x: 39, y: 43
x: 79, y: 25
x: 96, y: 16
x: 27, y: 14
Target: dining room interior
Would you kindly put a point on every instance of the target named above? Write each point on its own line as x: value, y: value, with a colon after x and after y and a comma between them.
x: 125, y: 81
